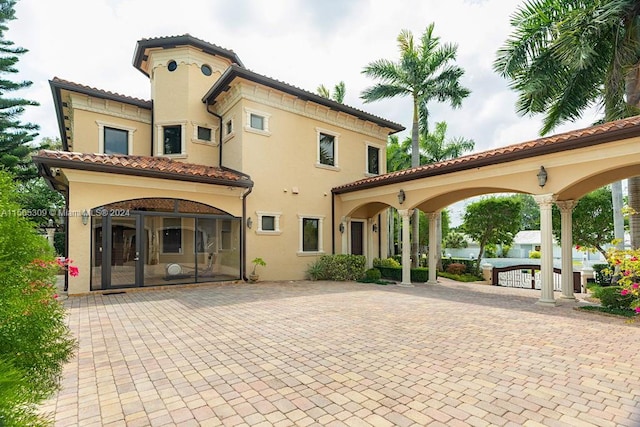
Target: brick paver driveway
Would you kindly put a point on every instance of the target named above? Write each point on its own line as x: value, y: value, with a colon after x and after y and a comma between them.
x: 324, y: 353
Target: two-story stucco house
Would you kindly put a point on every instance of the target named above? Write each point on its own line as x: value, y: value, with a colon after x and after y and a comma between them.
x: 222, y: 165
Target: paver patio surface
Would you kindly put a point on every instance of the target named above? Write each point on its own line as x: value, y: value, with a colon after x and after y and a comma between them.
x: 328, y: 353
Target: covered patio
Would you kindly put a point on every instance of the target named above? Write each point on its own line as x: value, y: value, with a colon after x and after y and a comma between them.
x: 558, y: 170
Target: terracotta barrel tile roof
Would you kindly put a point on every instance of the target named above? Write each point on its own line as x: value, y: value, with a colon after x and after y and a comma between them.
x: 58, y: 83
x: 607, y: 132
x: 161, y: 167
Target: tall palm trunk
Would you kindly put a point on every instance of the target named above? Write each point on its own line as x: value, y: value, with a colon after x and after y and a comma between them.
x: 633, y: 98
x: 415, y: 161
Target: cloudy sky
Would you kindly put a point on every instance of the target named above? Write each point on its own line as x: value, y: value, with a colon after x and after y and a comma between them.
x: 301, y: 42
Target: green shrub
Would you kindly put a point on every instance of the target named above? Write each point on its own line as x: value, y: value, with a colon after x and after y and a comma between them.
x: 34, y: 339
x: 388, y: 262
x: 314, y: 270
x: 610, y: 297
x: 372, y: 274
x: 341, y: 267
x: 420, y: 274
x: 456, y: 268
x: 467, y: 277
x: 59, y: 243
x: 470, y: 264
x: 602, y: 274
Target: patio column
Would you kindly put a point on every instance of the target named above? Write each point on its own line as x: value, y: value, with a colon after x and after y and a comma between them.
x: 344, y: 227
x: 433, y: 247
x: 405, y: 214
x: 566, y: 208
x: 545, y: 202
x: 370, y: 241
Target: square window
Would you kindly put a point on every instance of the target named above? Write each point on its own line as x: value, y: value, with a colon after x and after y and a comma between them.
x: 310, y: 235
x: 268, y: 223
x: 373, y: 160
x: 257, y: 122
x: 116, y: 141
x: 172, y: 138
x: 204, y: 134
x: 327, y: 149
x: 228, y: 127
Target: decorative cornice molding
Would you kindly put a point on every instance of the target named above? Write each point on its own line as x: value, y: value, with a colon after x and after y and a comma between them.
x: 84, y: 102
x: 291, y: 104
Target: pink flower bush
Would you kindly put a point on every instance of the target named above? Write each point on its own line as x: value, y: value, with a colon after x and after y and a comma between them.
x: 627, y: 262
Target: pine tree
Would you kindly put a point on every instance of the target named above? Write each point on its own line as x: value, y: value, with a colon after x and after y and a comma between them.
x: 15, y: 136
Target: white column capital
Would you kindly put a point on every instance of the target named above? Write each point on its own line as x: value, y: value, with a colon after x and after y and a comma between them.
x: 433, y: 215
x: 405, y: 213
x: 545, y: 200
x: 566, y: 205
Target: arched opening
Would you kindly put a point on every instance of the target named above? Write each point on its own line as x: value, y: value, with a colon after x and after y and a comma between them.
x: 162, y: 241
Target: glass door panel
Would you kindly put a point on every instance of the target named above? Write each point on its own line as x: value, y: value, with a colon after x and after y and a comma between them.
x: 124, y: 253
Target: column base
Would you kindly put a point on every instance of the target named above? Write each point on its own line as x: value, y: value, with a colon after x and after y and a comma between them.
x: 432, y: 282
x: 406, y: 285
x: 547, y: 302
x: 568, y: 297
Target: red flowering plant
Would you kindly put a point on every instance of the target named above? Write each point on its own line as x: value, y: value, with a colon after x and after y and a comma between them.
x: 627, y: 270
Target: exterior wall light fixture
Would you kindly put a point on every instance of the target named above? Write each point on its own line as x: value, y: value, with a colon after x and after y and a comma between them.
x: 542, y: 176
x: 85, y: 217
x: 401, y: 196
x: 249, y: 222
x: 375, y: 228
x: 341, y: 228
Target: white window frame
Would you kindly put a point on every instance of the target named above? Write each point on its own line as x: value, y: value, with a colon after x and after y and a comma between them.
x: 276, y: 221
x: 214, y: 130
x: 227, y: 136
x: 160, y: 139
x: 366, y: 158
x: 102, y: 125
x: 320, y: 250
x: 265, y: 121
x: 336, y: 144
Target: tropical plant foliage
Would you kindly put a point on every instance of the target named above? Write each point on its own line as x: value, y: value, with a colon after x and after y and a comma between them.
x: 564, y: 56
x: 339, y: 91
x: 425, y: 73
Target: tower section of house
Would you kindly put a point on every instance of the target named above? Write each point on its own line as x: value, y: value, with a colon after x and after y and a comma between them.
x: 180, y: 69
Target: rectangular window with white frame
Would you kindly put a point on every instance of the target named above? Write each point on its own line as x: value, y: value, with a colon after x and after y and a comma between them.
x: 114, y: 138
x: 373, y: 160
x: 171, y: 139
x: 310, y: 234
x: 268, y: 222
x: 327, y: 149
x: 204, y: 133
x: 257, y: 121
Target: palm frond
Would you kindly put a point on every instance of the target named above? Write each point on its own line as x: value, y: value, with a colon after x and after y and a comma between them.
x: 382, y: 91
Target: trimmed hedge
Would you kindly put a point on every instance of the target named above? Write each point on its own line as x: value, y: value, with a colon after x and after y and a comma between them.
x: 610, y: 297
x: 340, y: 267
x: 420, y: 274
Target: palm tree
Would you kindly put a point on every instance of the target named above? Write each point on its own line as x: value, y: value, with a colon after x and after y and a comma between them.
x: 339, y: 91
x: 564, y: 56
x: 425, y: 74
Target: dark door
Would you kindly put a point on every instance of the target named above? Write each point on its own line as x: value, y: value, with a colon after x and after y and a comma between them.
x: 357, y: 238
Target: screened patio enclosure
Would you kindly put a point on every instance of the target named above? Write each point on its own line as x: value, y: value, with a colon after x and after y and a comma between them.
x: 162, y: 241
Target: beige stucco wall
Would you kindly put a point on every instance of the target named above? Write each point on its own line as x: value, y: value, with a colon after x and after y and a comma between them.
x: 178, y: 96
x: 283, y: 165
x: 91, y: 189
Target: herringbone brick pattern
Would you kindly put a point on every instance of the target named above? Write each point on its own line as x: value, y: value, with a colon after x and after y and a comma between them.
x: 333, y: 354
